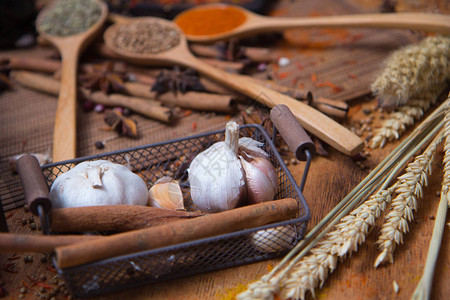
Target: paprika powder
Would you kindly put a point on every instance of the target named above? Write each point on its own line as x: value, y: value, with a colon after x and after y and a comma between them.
x: 210, y: 20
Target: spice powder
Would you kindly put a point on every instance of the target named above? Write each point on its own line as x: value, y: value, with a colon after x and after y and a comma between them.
x: 145, y: 36
x: 210, y: 21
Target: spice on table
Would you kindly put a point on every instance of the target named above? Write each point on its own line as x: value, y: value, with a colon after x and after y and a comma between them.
x: 210, y: 20
x: 177, y: 81
x: 103, y: 77
x: 145, y: 36
x: 70, y: 17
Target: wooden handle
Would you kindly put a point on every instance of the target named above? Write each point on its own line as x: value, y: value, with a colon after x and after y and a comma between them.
x: 291, y: 131
x: 438, y: 23
x: 64, y: 134
x: 33, y: 182
x: 114, y: 218
x: 39, y: 243
x: 178, y: 232
x: 318, y: 124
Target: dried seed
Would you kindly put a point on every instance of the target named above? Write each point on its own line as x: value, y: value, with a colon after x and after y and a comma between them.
x: 145, y: 36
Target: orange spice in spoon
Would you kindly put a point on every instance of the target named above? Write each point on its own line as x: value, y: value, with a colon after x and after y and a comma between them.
x: 210, y: 20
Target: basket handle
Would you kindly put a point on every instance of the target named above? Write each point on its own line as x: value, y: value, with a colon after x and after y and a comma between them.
x: 35, y: 188
x: 292, y: 132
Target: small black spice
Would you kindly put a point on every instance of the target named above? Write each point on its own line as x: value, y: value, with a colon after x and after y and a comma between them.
x: 99, y: 145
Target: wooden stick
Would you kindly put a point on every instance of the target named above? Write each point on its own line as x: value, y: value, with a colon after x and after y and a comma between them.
x: 178, y: 232
x: 36, y: 81
x: 39, y: 243
x: 298, y: 94
x: 114, y: 218
x: 190, y: 100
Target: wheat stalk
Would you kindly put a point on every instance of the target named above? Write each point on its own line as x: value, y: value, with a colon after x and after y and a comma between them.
x: 423, y: 289
x: 402, y: 207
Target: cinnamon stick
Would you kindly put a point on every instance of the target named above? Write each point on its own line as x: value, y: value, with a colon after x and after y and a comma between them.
x: 151, y: 109
x: 190, y: 100
x: 255, y: 54
x: 178, y: 232
x: 331, y: 107
x: 146, y: 107
x: 114, y: 218
x: 34, y: 64
x: 39, y: 243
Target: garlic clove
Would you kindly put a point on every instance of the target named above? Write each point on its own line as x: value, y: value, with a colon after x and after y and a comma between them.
x: 268, y: 169
x: 259, y: 186
x: 275, y: 239
x: 166, y: 193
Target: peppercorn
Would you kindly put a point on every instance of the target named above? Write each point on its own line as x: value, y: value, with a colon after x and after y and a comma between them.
x: 99, y: 145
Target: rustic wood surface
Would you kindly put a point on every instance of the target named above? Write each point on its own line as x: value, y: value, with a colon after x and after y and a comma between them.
x: 354, y: 278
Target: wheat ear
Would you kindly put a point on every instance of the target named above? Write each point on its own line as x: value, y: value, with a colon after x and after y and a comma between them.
x: 402, y: 207
x: 405, y: 116
x: 412, y: 70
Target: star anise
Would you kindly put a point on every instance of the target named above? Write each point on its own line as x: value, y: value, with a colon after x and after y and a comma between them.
x: 177, y: 81
x: 123, y: 125
x: 107, y: 77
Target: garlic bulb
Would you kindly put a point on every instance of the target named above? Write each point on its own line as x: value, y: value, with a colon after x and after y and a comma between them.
x: 100, y: 182
x: 216, y: 175
x: 166, y: 193
x: 274, y: 239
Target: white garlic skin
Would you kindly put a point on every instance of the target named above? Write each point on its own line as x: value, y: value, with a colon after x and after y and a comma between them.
x: 259, y: 186
x: 95, y: 183
x: 266, y: 240
x: 218, y: 184
x: 216, y: 176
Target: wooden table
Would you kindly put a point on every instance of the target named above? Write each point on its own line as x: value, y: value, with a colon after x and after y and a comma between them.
x: 354, y: 278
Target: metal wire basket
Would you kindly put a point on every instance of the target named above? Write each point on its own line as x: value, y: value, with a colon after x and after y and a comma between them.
x: 172, y: 158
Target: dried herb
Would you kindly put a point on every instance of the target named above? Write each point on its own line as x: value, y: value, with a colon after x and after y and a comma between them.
x: 70, y: 17
x: 177, y: 81
x: 105, y: 77
x: 123, y: 125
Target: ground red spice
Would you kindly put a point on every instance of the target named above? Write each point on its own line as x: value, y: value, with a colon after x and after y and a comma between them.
x: 210, y: 21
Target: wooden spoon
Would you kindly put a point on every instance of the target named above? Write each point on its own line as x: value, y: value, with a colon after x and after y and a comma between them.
x: 70, y: 47
x: 248, y: 23
x: 312, y: 120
